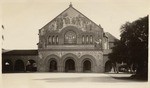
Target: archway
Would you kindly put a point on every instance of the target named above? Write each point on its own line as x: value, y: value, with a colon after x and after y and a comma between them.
x: 7, y: 66
x: 86, y: 66
x: 69, y: 65
x: 53, y: 66
x: 52, y: 62
x: 108, y: 66
x: 88, y: 63
x: 19, y: 66
x: 31, y: 66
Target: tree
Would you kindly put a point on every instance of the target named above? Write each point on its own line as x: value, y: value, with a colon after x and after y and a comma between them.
x: 117, y: 56
x: 133, y: 45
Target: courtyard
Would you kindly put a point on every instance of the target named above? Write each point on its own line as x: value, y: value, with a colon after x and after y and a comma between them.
x: 69, y: 80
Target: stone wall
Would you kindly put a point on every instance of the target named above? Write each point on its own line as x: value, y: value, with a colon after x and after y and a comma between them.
x: 96, y: 58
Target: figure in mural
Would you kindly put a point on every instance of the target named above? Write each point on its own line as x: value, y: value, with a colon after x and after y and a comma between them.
x: 88, y: 27
x: 59, y: 23
x: 78, y: 21
x: 73, y: 20
x: 52, y: 26
x: 67, y: 20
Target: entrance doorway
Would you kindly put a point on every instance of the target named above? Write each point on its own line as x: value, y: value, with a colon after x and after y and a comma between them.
x: 31, y: 66
x: 87, y: 66
x: 19, y: 66
x: 7, y: 66
x: 108, y: 66
x: 70, y: 65
x: 53, y: 66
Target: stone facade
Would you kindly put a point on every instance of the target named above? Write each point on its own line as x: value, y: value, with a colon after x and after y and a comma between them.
x: 95, y: 57
x: 70, y: 43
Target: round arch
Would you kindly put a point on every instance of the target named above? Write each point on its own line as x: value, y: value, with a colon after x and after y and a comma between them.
x: 91, y: 62
x: 7, y: 66
x: 69, y: 58
x: 53, y: 65
x: 19, y: 66
x: 69, y: 65
x: 70, y: 37
x: 87, y: 66
x: 108, y: 66
x: 72, y: 29
x: 52, y: 60
x: 31, y: 65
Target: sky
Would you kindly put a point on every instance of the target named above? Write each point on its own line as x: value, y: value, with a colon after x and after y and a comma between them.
x: 22, y: 19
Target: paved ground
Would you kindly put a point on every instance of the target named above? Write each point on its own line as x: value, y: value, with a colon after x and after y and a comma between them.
x: 69, y: 80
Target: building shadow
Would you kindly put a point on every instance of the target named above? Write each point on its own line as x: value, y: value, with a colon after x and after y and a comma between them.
x: 90, y: 79
x: 129, y: 78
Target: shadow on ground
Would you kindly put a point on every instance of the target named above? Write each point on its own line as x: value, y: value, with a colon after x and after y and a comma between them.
x: 129, y: 78
x: 109, y: 79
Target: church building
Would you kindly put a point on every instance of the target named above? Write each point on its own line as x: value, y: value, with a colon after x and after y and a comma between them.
x: 70, y: 42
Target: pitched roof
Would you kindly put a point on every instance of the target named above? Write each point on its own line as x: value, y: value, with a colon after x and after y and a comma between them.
x: 111, y: 37
x: 20, y: 52
x: 70, y: 6
x: 4, y: 51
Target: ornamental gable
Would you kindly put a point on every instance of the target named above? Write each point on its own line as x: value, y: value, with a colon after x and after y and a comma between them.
x: 70, y: 17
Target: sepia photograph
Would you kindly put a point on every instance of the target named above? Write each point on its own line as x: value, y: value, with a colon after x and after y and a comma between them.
x: 74, y: 44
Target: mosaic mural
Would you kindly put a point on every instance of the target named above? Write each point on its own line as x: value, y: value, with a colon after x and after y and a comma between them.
x: 70, y: 18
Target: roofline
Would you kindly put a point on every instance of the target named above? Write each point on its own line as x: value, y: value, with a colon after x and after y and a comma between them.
x: 111, y: 35
x: 10, y: 52
x: 88, y: 18
x: 54, y: 18
x: 19, y: 49
x: 77, y: 11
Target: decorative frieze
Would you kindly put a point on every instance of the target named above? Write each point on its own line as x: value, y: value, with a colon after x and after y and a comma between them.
x: 95, y: 54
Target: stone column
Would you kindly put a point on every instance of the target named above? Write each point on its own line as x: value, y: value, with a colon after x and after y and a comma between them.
x: 60, y: 68
x: 25, y: 63
x: 78, y: 69
x: 13, y: 63
x: 101, y: 68
x: 41, y: 67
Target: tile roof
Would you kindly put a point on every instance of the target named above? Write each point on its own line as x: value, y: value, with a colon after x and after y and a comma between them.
x: 111, y: 37
x: 20, y: 52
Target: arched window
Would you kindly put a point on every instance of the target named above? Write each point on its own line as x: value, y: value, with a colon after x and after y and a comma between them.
x: 70, y: 37
x: 83, y: 39
x: 49, y: 40
x: 53, y: 40
x: 91, y: 39
x: 57, y: 39
x: 87, y: 39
